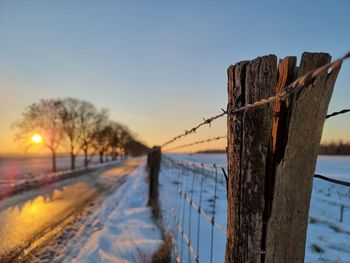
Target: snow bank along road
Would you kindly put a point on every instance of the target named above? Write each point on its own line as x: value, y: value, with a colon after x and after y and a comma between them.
x: 29, y: 220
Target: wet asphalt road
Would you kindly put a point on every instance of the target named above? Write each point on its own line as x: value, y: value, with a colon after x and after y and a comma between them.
x: 26, y: 217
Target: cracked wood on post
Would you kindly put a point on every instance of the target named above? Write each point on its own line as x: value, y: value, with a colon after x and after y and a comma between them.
x: 272, y: 158
x: 286, y: 230
x: 249, y: 137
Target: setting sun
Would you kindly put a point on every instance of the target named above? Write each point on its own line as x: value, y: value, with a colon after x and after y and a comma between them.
x: 37, y: 138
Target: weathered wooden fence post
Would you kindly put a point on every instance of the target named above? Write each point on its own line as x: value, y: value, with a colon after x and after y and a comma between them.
x: 153, y: 160
x: 148, y: 163
x: 272, y: 152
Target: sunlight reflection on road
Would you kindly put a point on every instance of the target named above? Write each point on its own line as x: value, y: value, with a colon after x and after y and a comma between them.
x: 28, y: 220
x: 18, y: 224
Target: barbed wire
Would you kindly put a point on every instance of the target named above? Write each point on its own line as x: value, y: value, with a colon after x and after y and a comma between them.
x: 194, y: 129
x: 343, y: 111
x: 336, y: 113
x: 197, y: 142
x: 295, y: 86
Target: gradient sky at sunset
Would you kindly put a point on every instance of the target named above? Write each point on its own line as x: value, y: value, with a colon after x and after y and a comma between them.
x: 159, y: 66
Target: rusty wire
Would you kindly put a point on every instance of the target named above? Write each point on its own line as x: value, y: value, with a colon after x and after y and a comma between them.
x: 196, y: 143
x: 295, y: 86
x: 223, y: 137
x: 194, y: 129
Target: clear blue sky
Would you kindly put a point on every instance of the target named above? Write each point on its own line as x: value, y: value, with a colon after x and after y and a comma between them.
x: 159, y: 66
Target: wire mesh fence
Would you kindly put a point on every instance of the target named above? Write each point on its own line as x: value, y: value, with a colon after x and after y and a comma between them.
x: 194, y: 211
x: 193, y: 194
x: 193, y: 197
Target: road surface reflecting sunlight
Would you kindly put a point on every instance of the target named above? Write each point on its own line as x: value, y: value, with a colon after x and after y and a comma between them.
x: 20, y: 224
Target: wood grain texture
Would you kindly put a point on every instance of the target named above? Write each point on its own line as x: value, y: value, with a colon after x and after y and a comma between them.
x: 272, y: 152
x: 286, y: 229
x: 251, y: 136
x: 236, y: 80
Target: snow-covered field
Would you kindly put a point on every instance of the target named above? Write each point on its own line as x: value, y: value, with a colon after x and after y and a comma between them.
x: 121, y: 229
x: 328, y: 239
x: 18, y: 168
x: 19, y: 174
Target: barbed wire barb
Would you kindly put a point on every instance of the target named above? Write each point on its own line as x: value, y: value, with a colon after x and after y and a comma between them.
x: 295, y: 86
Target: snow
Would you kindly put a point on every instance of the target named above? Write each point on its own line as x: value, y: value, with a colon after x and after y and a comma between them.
x: 117, y: 227
x: 121, y: 228
x: 186, y: 215
x: 17, y: 168
x: 328, y: 239
x: 125, y: 231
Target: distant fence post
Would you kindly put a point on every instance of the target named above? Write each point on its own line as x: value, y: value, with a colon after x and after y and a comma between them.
x: 148, y: 163
x: 153, y: 163
x: 272, y: 152
x: 341, y: 213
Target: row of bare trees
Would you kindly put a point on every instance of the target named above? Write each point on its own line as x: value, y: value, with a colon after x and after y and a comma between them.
x: 74, y: 125
x: 335, y: 148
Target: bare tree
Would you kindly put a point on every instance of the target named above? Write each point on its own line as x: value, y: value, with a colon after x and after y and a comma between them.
x: 76, y: 125
x: 69, y: 113
x: 114, y: 130
x: 125, y: 137
x: 91, y: 123
x: 101, y: 140
x: 42, y: 118
x: 115, y: 137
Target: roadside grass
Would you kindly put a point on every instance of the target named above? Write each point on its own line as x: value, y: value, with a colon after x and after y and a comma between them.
x: 163, y: 254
